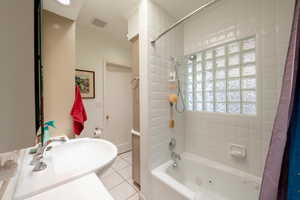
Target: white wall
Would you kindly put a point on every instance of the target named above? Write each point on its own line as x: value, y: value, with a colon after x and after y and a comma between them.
x: 59, y: 61
x: 133, y: 25
x: 155, y: 66
x: 210, y: 134
x: 17, y: 111
x: 93, y: 47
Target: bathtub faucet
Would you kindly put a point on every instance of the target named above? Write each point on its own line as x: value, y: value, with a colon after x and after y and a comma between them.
x: 175, y: 157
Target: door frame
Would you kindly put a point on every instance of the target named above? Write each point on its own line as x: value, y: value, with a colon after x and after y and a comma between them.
x: 104, y: 99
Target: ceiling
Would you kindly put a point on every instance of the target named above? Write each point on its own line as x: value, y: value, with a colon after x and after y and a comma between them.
x: 114, y: 12
x: 180, y: 8
x: 70, y: 12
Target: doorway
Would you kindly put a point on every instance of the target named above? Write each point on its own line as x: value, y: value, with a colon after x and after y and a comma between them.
x: 118, y: 105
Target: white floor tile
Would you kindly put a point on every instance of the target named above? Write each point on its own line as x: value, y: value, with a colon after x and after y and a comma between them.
x: 126, y: 172
x: 120, y: 164
x: 134, y: 197
x: 122, y: 191
x: 108, y: 172
x: 130, y: 181
x: 128, y: 159
x: 112, y: 180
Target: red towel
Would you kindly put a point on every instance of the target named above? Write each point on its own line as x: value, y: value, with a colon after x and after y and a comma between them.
x: 78, y: 113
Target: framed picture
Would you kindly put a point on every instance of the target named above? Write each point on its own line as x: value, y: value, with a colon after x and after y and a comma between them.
x: 86, y: 81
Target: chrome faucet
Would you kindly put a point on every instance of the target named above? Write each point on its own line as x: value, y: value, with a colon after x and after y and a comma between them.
x: 175, y: 157
x: 172, y: 144
x: 39, y: 165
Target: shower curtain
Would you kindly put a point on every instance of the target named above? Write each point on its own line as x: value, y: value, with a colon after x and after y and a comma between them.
x: 294, y: 151
x: 281, y: 180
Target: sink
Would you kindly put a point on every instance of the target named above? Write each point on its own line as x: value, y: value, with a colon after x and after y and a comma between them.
x: 65, y: 162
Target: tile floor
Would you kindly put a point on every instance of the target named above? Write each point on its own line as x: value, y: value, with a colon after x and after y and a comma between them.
x: 118, y: 179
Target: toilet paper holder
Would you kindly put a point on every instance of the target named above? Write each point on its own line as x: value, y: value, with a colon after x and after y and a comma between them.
x: 97, y: 132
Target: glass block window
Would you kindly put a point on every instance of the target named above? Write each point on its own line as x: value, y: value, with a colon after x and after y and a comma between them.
x: 222, y: 79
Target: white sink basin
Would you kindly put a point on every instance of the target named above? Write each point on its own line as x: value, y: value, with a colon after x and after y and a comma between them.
x: 65, y: 162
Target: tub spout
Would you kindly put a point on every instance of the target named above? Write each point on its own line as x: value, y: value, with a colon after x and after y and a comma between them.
x: 175, y: 157
x: 174, y: 164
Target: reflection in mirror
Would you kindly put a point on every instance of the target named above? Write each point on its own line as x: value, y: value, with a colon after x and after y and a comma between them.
x: 20, y: 97
x: 21, y: 105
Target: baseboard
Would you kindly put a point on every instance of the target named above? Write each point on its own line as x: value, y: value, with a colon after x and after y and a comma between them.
x: 122, y: 148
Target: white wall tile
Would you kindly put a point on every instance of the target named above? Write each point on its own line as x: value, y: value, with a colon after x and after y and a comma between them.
x: 160, y: 65
x: 262, y: 18
x: 210, y: 134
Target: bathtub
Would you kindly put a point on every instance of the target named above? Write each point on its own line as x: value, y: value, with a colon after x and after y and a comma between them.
x: 197, y: 178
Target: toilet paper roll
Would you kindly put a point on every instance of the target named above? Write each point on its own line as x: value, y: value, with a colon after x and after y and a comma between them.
x: 97, y: 133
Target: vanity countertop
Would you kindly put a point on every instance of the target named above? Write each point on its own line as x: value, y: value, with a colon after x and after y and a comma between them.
x: 87, y: 187
x: 65, y: 174
x: 66, y: 162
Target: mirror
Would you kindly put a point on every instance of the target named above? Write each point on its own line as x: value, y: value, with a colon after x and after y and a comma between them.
x: 20, y: 69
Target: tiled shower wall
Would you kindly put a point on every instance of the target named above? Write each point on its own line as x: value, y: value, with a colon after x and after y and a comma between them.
x: 159, y: 66
x: 155, y: 62
x: 210, y: 134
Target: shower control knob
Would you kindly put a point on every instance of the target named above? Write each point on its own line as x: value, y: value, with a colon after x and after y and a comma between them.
x: 172, y: 144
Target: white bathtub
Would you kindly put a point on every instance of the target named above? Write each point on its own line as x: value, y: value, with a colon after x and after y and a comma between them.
x: 198, y: 178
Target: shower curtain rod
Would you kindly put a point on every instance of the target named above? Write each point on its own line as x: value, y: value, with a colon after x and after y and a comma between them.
x: 183, y: 19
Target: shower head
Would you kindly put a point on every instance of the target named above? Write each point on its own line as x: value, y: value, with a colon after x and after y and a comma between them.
x: 174, y: 98
x: 192, y: 57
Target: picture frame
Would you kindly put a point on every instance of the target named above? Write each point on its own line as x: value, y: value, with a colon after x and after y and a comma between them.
x: 85, y: 79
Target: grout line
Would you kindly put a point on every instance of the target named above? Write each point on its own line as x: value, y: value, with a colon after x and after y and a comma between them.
x: 132, y: 195
x: 124, y: 180
x: 117, y: 171
x: 137, y: 190
x: 123, y: 177
x: 120, y: 175
x: 128, y: 164
x: 124, y: 152
x: 116, y: 185
x: 124, y: 158
x: 122, y: 167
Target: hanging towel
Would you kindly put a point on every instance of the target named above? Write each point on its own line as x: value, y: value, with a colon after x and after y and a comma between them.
x: 78, y: 113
